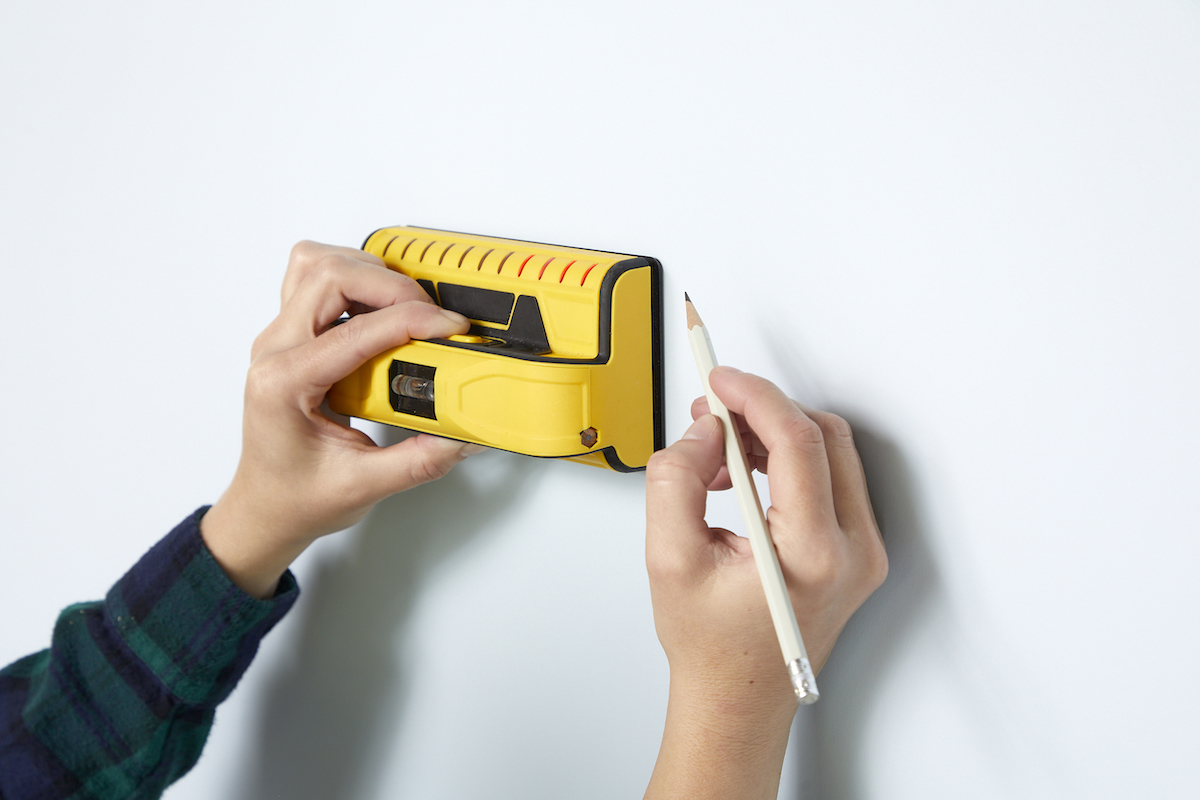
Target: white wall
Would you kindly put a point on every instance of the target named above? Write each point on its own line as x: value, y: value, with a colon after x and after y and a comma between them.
x: 974, y: 229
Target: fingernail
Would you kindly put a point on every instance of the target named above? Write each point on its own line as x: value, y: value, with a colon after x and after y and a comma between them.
x: 703, y: 428
x: 468, y: 450
x: 726, y: 368
x: 454, y: 316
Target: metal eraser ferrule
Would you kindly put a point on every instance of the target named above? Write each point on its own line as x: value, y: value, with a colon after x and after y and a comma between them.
x: 803, y: 681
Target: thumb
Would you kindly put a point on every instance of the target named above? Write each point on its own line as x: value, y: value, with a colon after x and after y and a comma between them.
x: 677, y: 480
x: 416, y: 460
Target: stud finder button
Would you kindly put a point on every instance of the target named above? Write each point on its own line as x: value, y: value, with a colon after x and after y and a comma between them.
x: 467, y: 339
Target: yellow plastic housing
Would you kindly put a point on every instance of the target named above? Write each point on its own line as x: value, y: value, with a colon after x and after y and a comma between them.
x: 563, y: 360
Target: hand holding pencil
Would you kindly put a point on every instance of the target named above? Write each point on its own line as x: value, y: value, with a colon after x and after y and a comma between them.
x: 731, y: 701
x: 737, y: 467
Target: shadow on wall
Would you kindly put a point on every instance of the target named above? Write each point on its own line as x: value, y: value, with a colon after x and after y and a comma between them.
x: 915, y: 607
x: 328, y: 716
x: 874, y: 638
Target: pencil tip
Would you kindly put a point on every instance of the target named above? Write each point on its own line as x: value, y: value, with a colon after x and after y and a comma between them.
x: 693, y: 319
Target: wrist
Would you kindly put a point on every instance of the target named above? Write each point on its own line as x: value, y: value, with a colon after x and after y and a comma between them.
x: 748, y: 711
x: 719, y: 746
x: 253, y: 555
x: 737, y: 679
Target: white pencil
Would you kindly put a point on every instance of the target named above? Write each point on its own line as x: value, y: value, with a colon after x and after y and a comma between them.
x: 765, y: 557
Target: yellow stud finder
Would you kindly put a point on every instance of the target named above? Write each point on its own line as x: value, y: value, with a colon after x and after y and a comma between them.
x: 563, y: 359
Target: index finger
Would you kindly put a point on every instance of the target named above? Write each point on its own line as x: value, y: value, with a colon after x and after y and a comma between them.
x: 306, y: 257
x: 798, y: 473
x: 756, y: 454
x: 339, y: 351
x: 335, y: 284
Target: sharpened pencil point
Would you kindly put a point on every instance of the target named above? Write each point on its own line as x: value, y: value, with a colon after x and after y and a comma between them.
x: 693, y: 319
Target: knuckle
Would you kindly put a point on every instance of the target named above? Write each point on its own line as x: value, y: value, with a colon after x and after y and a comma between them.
x: 307, y: 261
x: 404, y: 290
x: 349, y: 331
x: 317, y: 266
x: 303, y: 255
x: 756, y: 384
x: 303, y: 248
x: 263, y: 379
x: 824, y: 567
x: 876, y: 563
x: 257, y: 346
x: 835, y: 429
x: 327, y: 269
x: 879, y: 573
x: 349, y: 337
x: 667, y: 466
x: 670, y: 564
x: 665, y: 566
x: 801, y: 430
x: 426, y: 470
x: 418, y: 307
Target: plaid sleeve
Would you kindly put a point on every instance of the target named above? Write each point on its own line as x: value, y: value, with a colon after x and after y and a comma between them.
x: 122, y: 702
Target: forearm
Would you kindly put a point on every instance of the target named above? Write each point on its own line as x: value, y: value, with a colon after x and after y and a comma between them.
x: 714, y: 751
x: 122, y: 702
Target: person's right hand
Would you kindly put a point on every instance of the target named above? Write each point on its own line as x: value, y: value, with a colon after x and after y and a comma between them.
x: 731, y: 700
x: 303, y: 474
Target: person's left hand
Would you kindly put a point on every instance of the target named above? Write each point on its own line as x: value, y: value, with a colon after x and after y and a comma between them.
x: 303, y: 474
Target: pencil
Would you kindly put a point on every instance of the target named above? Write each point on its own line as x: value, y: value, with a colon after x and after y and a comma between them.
x: 767, y: 560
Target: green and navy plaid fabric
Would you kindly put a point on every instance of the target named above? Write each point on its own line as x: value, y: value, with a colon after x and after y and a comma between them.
x: 122, y: 702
